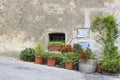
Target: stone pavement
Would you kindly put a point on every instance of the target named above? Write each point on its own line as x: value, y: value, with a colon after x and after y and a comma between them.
x: 11, y: 69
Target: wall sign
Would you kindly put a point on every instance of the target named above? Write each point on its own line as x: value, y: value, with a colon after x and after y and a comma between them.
x: 83, y: 32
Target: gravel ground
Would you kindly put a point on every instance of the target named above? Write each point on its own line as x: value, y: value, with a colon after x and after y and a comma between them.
x: 12, y: 69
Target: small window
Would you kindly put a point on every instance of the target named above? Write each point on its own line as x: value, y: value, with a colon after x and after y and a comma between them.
x: 57, y: 37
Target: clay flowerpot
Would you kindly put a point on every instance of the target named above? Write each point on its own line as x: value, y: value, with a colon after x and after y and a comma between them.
x: 69, y: 65
x: 54, y: 48
x: 51, y: 61
x: 38, y: 60
x: 98, y: 69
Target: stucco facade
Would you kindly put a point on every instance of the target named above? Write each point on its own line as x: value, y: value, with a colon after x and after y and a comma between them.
x: 24, y: 23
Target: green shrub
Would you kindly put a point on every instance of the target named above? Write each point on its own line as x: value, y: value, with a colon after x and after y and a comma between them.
x: 111, y: 63
x: 27, y: 54
x: 56, y: 43
x: 108, y: 31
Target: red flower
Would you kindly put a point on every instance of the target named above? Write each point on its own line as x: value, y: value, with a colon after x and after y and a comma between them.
x: 58, y: 49
x: 70, y: 48
x: 66, y: 49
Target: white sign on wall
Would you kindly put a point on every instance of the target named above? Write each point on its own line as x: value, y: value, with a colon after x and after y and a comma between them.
x: 83, y: 32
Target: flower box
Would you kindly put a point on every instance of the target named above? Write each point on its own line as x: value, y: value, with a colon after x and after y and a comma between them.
x: 54, y: 48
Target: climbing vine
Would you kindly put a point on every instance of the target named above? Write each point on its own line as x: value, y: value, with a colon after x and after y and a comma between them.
x: 107, y: 28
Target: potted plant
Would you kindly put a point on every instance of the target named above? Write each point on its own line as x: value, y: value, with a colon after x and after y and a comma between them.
x: 51, y: 58
x: 55, y: 46
x: 59, y: 58
x: 111, y: 64
x: 98, y: 68
x: 108, y: 31
x: 78, y: 48
x: 82, y: 54
x: 66, y: 49
x: 27, y: 54
x: 87, y: 63
x: 69, y: 60
x: 39, y: 54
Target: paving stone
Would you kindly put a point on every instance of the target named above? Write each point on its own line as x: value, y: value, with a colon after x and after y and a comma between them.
x: 11, y: 69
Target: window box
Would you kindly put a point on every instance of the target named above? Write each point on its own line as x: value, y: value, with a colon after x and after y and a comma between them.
x: 54, y: 48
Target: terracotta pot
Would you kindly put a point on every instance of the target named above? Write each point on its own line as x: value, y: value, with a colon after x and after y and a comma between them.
x: 51, y: 61
x: 98, y: 69
x: 38, y: 60
x: 69, y: 65
x: 54, y: 48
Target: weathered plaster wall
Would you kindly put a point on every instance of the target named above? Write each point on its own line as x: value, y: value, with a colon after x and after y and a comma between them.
x: 23, y: 23
x: 94, y: 38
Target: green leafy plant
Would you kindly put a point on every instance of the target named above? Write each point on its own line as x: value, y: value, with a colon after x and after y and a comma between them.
x: 39, y: 51
x: 111, y: 63
x: 77, y: 46
x: 63, y: 50
x: 59, y: 56
x: 38, y: 48
x: 81, y: 49
x: 27, y: 54
x: 70, y: 57
x: 88, y: 54
x: 51, y: 55
x: 56, y: 43
x: 108, y: 31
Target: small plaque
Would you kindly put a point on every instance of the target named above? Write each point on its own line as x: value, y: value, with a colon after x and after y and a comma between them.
x: 83, y: 32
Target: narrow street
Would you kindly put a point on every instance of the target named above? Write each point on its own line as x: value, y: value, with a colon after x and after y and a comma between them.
x: 11, y: 69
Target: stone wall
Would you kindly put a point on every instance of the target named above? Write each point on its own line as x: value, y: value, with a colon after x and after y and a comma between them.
x: 24, y: 23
